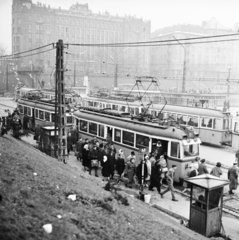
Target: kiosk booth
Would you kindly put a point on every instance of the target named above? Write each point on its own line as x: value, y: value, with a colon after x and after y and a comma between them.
x: 47, y: 140
x: 206, y: 200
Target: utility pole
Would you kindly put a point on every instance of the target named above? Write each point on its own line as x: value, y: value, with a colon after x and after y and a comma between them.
x: 184, y: 65
x: 60, y: 110
x: 74, y: 74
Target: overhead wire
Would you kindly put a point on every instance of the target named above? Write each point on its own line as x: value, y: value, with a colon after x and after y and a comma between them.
x: 30, y: 50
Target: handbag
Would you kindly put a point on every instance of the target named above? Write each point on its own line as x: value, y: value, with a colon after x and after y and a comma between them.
x: 94, y: 163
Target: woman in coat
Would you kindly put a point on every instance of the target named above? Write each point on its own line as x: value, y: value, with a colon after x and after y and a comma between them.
x: 155, y: 177
x: 233, y: 177
x: 105, y: 168
x: 85, y: 153
x: 130, y: 171
x: 120, y: 163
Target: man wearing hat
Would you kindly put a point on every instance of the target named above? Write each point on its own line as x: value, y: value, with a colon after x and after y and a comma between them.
x: 217, y: 171
x: 233, y: 177
x: 202, y: 167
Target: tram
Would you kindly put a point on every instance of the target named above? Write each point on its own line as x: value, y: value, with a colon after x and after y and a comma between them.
x: 132, y: 134
x: 40, y: 112
x: 212, y: 125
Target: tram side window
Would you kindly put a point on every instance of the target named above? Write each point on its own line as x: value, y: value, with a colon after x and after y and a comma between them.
x: 101, y: 131
x: 172, y: 116
x: 153, y: 113
x: 136, y: 111
x: 108, y: 105
x: 128, y: 138
x: 25, y: 110
x: 182, y: 119
x: 236, y: 127
x: 41, y: 114
x: 193, y: 121
x: 83, y: 125
x: 206, y: 122
x: 47, y: 116
x: 217, y: 123
x: 175, y: 150
x: 36, y: 113
x: 90, y: 104
x: 69, y: 120
x: 131, y: 110
x: 20, y: 108
x: 117, y: 136
x: 142, y: 141
x: 123, y: 108
x: 115, y: 107
x: 93, y: 128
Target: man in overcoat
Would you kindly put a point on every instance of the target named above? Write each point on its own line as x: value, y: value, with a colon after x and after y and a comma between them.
x: 202, y: 167
x: 232, y: 175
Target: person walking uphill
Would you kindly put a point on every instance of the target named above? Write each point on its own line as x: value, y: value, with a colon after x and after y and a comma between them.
x: 233, y: 177
x: 217, y: 171
x: 169, y: 178
x: 94, y: 160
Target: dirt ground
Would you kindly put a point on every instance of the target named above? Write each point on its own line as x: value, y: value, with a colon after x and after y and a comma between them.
x: 34, y: 190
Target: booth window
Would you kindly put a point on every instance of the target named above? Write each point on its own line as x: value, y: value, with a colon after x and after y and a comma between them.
x: 93, y: 128
x: 128, y: 138
x: 175, y: 150
x: 214, y: 198
x: 101, y: 130
x: 47, y: 116
x: 199, y: 200
x: 41, y: 114
x: 117, y: 136
x: 142, y: 141
x: 83, y: 125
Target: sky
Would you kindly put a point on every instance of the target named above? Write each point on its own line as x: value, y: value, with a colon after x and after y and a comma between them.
x: 161, y: 13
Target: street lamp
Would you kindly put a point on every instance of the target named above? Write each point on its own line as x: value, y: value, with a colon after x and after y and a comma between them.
x: 184, y: 64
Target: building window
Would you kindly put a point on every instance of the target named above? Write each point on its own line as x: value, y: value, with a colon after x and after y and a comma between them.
x: 30, y: 26
x: 19, y: 29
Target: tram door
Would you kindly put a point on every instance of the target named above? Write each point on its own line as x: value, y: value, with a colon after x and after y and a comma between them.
x: 33, y: 119
x: 162, y: 149
x: 109, y: 132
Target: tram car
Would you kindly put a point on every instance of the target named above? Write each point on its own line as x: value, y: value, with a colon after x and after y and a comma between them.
x: 40, y: 112
x: 132, y: 134
x: 212, y: 125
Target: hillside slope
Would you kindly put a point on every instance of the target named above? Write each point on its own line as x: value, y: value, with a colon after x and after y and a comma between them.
x: 31, y: 200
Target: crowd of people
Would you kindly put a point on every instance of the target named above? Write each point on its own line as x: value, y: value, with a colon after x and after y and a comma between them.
x: 150, y: 171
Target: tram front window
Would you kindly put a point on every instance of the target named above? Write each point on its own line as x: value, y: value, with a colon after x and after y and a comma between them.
x: 236, y: 127
x: 191, y: 150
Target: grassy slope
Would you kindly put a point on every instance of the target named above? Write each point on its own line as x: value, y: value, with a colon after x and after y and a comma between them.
x: 31, y: 201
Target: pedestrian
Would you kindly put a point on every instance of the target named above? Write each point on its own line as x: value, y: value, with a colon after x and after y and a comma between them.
x: 163, y: 165
x: 130, y: 172
x: 79, y: 148
x: 69, y: 145
x: 155, y: 179
x: 105, y: 168
x: 202, y: 168
x: 102, y: 153
x: 191, y: 172
x: 132, y: 155
x: 195, y: 162
x: 94, y: 160
x: 93, y: 141
x: 120, y: 163
x: 233, y: 177
x: 216, y: 171
x: 142, y: 172
x: 85, y: 153
x: 111, y: 159
x: 149, y: 168
x: 37, y: 133
x: 169, y: 178
x: 158, y: 150
x: 152, y: 159
x: 237, y: 156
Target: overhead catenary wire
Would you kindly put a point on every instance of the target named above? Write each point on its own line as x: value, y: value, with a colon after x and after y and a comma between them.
x: 159, y: 41
x: 32, y: 54
x: 30, y: 50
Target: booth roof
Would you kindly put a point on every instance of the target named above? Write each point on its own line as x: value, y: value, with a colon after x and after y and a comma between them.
x: 207, y: 181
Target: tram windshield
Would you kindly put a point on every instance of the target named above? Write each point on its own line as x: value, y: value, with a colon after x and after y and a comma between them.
x: 191, y: 150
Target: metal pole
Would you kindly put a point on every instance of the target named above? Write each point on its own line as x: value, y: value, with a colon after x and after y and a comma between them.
x: 75, y: 74
x: 184, y: 66
x: 228, y: 87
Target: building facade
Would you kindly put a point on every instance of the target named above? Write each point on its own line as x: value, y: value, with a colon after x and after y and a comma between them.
x: 204, y: 64
x: 35, y: 25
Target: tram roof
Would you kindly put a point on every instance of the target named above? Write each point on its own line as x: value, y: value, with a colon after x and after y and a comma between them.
x: 50, y: 106
x: 132, y: 125
x: 197, y: 111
